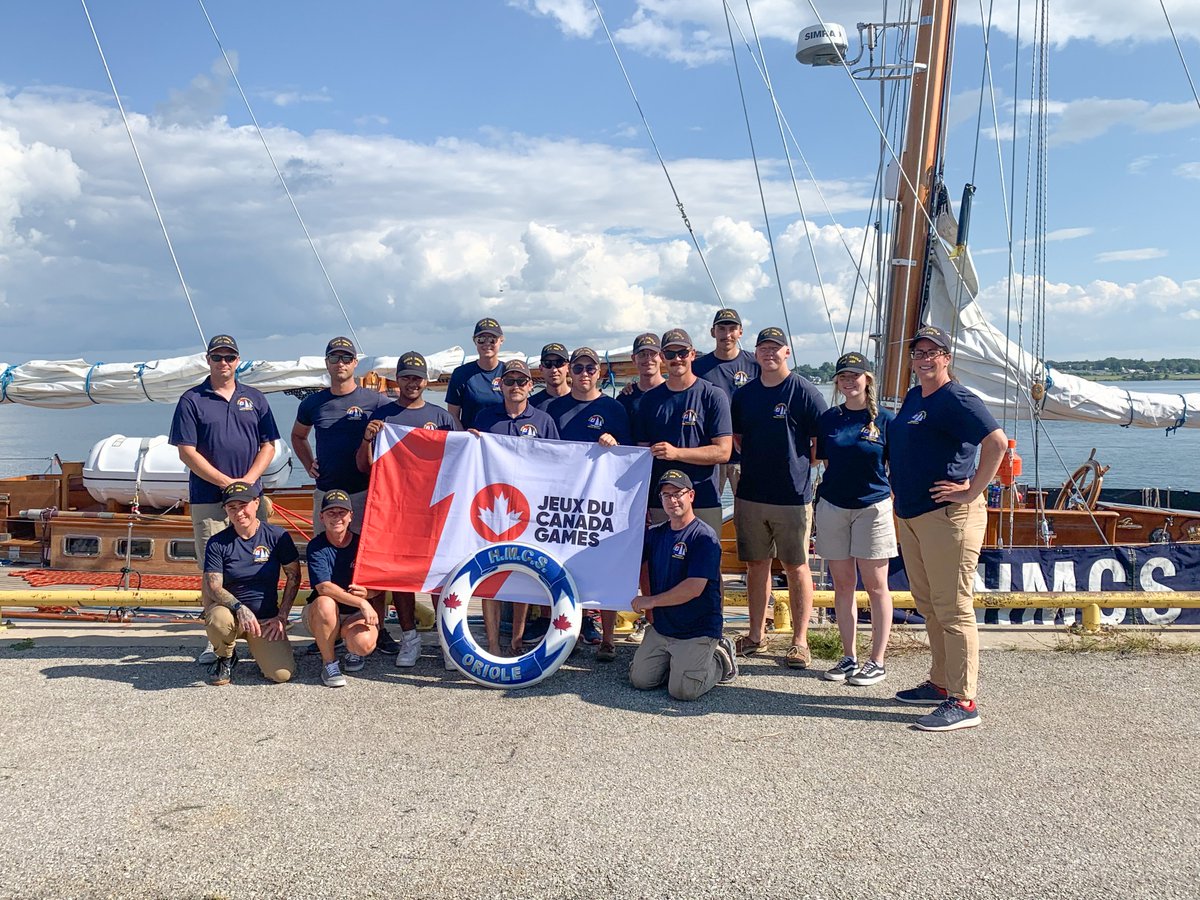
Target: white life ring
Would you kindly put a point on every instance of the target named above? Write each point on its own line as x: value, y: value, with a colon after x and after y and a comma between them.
x: 1156, y: 617
x: 542, y: 661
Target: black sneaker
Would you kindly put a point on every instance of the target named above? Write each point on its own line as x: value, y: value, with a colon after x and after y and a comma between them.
x: 726, y: 656
x: 870, y: 673
x: 312, y: 649
x: 222, y: 671
x: 846, y: 667
x: 386, y: 643
x: 951, y: 715
x: 924, y: 694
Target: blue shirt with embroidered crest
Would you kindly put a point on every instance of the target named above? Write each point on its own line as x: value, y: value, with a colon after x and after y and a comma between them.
x: 339, y: 423
x: 689, y: 418
x: 586, y: 420
x: 672, y: 557
x: 227, y: 433
x: 250, y: 566
x: 934, y: 438
x: 777, y: 425
x: 531, y: 423
x: 853, y: 450
x: 333, y: 564
x: 473, y: 389
x: 429, y: 416
x: 729, y: 375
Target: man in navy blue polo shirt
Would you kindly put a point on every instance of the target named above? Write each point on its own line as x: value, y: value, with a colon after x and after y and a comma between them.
x: 340, y: 414
x: 409, y: 408
x: 647, y: 356
x: 224, y: 432
x: 554, y: 376
x: 241, y: 588
x: 685, y: 423
x: 475, y: 385
x: 681, y: 594
x: 729, y: 367
x: 775, y: 422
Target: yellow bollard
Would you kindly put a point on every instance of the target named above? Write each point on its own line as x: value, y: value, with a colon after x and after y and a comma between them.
x: 1091, y: 618
x: 782, y: 609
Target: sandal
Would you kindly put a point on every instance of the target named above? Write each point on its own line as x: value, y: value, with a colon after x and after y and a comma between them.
x: 746, y: 647
x: 798, y: 656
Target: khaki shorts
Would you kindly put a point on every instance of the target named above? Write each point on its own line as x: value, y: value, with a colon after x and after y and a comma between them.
x: 770, y: 531
x: 867, y: 533
x: 358, y: 502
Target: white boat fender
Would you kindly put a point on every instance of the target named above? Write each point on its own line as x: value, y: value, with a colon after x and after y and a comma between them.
x: 542, y: 661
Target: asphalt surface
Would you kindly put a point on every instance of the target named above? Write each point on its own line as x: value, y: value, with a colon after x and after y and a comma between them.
x: 123, y: 775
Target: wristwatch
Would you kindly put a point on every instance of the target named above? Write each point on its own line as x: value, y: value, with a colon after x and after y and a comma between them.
x: 236, y: 606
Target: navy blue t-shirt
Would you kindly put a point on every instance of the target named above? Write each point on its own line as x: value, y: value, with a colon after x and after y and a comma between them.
x: 729, y: 375
x: 334, y: 564
x: 632, y: 402
x: 339, y: 423
x: 689, y: 418
x: 777, y: 425
x: 429, y: 416
x: 250, y: 566
x: 934, y: 438
x: 586, y: 420
x: 473, y: 389
x: 227, y: 433
x: 691, y: 552
x: 533, y: 423
x: 853, y: 450
x: 541, y: 399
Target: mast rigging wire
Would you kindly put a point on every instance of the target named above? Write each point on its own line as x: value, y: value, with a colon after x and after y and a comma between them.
x: 146, y: 178
x: 1179, y: 50
x: 299, y: 218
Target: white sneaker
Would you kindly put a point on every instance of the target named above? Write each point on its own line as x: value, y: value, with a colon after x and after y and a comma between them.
x: 410, y: 649
x: 208, y: 655
x: 446, y: 658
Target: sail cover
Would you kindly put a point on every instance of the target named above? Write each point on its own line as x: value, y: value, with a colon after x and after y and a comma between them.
x: 1002, y: 373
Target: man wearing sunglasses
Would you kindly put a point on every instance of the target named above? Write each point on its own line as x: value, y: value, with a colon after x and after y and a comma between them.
x: 475, y: 385
x: 685, y: 423
x: 340, y: 414
x: 729, y: 367
x: 224, y: 432
x: 554, y: 376
x: 647, y: 356
x: 588, y: 416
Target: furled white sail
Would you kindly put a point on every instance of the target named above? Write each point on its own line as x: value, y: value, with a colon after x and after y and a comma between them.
x: 998, y: 370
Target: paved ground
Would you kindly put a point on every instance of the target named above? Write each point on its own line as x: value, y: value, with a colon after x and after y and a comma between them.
x: 123, y: 775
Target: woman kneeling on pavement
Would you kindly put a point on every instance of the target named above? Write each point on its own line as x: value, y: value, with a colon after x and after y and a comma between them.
x: 855, y: 532
x: 942, y: 516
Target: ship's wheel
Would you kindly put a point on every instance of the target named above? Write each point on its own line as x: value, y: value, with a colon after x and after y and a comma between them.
x: 1081, y: 490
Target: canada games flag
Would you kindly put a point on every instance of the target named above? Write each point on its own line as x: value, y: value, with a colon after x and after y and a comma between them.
x: 438, y: 496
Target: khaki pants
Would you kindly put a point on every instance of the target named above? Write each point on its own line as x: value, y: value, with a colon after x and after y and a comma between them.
x: 689, y: 667
x: 731, y: 472
x: 941, y: 551
x: 273, y: 657
x: 209, y: 518
x: 713, y: 516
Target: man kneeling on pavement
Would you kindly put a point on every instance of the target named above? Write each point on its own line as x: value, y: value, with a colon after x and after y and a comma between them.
x: 681, y: 596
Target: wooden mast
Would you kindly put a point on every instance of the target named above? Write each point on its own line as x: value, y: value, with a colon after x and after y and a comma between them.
x: 910, y: 230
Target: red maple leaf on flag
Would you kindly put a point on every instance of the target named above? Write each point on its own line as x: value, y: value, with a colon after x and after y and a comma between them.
x: 452, y: 601
x: 562, y: 623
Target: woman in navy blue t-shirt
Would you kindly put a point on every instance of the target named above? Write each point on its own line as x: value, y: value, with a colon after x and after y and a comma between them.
x: 855, y: 533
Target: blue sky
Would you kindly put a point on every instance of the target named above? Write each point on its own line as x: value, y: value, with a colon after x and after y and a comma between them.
x: 467, y: 158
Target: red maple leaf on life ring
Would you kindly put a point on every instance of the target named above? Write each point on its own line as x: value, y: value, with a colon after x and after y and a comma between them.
x: 452, y: 601
x: 562, y: 623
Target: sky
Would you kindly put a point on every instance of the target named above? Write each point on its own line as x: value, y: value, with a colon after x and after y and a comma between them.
x: 460, y: 159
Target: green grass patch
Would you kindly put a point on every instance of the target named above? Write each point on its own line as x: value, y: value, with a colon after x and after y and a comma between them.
x: 23, y: 644
x: 1124, y: 642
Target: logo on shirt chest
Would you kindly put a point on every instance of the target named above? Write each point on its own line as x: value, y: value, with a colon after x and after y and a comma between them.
x: 917, y: 419
x: 870, y: 432
x: 496, y: 384
x: 528, y: 431
x: 245, y: 404
x: 261, y: 554
x: 355, y: 413
x: 740, y: 379
x: 780, y: 410
x: 430, y: 426
x: 596, y: 422
x: 690, y: 417
x: 679, y: 551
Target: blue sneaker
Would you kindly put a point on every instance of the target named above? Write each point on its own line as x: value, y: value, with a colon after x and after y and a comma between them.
x: 589, y: 630
x: 924, y: 694
x: 952, y: 715
x: 352, y: 662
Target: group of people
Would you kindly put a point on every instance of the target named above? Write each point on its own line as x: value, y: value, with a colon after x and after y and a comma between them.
x: 728, y: 417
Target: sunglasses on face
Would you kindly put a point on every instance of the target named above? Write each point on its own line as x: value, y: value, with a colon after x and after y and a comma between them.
x: 344, y: 358
x: 553, y: 362
x: 486, y: 339
x: 645, y: 354
x: 581, y: 369
x: 925, y: 354
x: 676, y: 354
x: 223, y: 357
x: 514, y: 382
